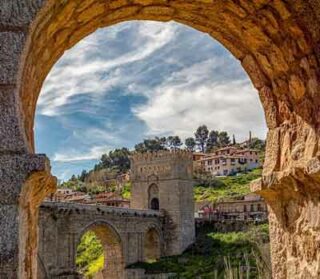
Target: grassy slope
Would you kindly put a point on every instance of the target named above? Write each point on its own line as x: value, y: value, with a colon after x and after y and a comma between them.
x: 209, y: 254
x: 230, y: 186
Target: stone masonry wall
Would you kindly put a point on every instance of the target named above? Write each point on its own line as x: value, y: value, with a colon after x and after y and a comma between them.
x: 121, y: 231
x: 172, y: 172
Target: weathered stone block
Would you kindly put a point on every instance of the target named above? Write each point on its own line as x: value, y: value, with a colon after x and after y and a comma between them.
x: 18, y: 13
x: 11, y: 46
x: 12, y: 138
x: 14, y: 170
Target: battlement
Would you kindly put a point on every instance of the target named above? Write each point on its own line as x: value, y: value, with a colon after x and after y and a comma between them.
x: 165, y: 155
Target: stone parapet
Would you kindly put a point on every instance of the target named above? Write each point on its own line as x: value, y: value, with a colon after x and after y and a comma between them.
x: 65, y: 207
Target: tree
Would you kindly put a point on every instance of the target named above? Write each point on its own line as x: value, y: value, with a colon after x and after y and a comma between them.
x: 174, y: 142
x: 223, y: 139
x: 201, y: 137
x: 83, y: 175
x: 118, y: 158
x: 257, y: 143
x: 190, y: 144
x: 234, y: 140
x: 73, y: 178
x: 212, y: 141
x: 151, y: 145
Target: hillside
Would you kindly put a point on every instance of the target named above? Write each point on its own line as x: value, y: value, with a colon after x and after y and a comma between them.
x: 213, y: 189
x: 217, y: 255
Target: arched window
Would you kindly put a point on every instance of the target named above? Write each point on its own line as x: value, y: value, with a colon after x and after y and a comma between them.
x: 155, y: 204
x: 153, y: 197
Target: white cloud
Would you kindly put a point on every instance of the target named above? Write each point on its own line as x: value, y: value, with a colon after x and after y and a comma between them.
x: 75, y: 155
x: 84, y: 66
x: 191, y: 97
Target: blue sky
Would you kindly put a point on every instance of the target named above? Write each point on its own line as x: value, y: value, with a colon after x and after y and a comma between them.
x: 136, y: 80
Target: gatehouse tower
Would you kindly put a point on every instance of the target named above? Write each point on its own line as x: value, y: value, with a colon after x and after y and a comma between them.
x: 163, y: 181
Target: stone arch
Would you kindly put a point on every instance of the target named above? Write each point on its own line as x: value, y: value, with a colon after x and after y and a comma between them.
x: 277, y: 43
x: 153, y: 197
x: 152, y: 245
x: 112, y: 246
x: 252, y: 40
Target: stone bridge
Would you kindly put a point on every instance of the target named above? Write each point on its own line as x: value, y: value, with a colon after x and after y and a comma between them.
x: 127, y: 235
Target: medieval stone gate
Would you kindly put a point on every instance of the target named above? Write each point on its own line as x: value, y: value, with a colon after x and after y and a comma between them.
x: 277, y: 42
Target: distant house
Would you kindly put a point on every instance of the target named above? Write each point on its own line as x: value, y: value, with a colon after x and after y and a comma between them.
x: 69, y: 195
x: 105, y: 198
x: 228, y: 161
x: 250, y: 207
x: 110, y: 199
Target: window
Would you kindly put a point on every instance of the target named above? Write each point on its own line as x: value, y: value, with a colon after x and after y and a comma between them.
x: 209, y: 162
x: 251, y: 208
x: 216, y: 161
x: 259, y: 207
x: 155, y: 204
x: 245, y: 208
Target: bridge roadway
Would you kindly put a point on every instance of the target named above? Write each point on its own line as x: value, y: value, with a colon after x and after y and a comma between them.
x: 127, y: 235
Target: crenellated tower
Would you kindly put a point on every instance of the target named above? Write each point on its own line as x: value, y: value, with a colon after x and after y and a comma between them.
x: 163, y: 181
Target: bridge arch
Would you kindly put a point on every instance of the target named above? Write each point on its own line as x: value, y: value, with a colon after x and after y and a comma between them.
x: 152, y: 244
x: 277, y: 43
x: 112, y: 247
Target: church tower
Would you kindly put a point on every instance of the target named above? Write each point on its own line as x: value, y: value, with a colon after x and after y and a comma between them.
x: 163, y: 181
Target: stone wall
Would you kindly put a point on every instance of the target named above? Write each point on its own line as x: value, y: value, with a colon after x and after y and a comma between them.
x: 172, y: 173
x: 123, y: 233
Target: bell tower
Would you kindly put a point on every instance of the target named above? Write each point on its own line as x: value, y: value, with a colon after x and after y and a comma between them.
x: 163, y: 181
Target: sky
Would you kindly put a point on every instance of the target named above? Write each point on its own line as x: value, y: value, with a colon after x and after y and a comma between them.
x: 138, y: 80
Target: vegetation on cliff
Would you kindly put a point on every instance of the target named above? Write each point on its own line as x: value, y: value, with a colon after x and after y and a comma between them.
x: 215, y: 255
x: 90, y: 257
x: 212, y: 189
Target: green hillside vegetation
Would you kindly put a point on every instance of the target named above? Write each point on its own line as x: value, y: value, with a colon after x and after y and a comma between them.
x: 215, y: 188
x: 126, y: 191
x: 90, y: 257
x: 214, y: 255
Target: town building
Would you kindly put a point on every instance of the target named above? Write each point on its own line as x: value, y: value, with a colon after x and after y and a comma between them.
x: 250, y: 207
x: 227, y: 161
x: 112, y: 199
x: 68, y: 195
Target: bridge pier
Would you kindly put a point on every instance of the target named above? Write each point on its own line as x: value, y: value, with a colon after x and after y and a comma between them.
x: 25, y: 180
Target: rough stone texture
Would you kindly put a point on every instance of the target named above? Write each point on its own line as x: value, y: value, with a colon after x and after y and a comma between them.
x: 166, y: 176
x: 25, y: 180
x: 277, y: 42
x: 124, y: 233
